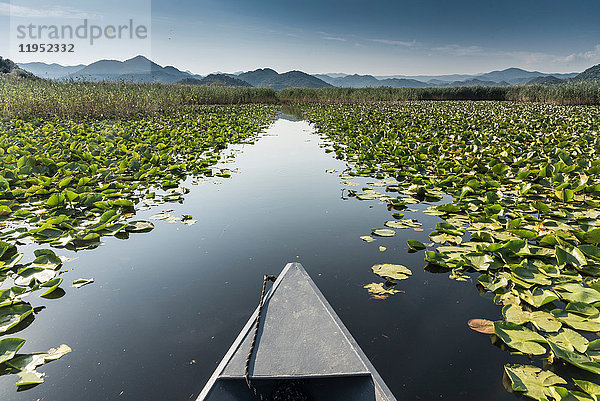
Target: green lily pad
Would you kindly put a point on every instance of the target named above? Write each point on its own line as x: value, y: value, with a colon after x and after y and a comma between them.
x: 582, y: 309
x: 403, y: 223
x: 562, y: 394
x: 538, y: 297
x: 542, y: 320
x: 81, y: 282
x: 569, y: 339
x: 139, y: 227
x: 582, y: 323
x: 13, y: 314
x: 379, y: 291
x: 415, y: 245
x: 574, y: 292
x: 383, y: 232
x: 534, y: 382
x: 582, y: 361
x: 52, y: 286
x: 588, y: 387
x: 520, y: 338
x: 391, y: 271
x: 9, y: 348
x: 29, y: 275
x: 26, y: 364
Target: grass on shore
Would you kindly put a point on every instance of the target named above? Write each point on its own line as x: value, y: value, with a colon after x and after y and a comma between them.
x: 20, y: 98
x: 566, y: 94
x: 24, y: 98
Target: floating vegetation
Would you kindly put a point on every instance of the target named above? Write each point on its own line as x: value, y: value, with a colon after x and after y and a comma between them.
x: 67, y: 184
x: 520, y: 187
x: 392, y: 272
x: 81, y: 282
x: 383, y: 232
x: 380, y: 291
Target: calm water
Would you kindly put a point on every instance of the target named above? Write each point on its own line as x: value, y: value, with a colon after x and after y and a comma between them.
x: 165, y: 306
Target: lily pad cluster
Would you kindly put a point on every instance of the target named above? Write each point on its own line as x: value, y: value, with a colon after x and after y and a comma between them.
x: 68, y: 183
x: 523, y: 223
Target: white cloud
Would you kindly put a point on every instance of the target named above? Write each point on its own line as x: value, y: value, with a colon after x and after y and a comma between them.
x: 394, y: 42
x: 459, y: 50
x: 524, y: 57
x: 336, y: 38
x: 590, y: 55
x: 12, y: 10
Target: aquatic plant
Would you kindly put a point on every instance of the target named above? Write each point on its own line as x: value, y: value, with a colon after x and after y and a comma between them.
x: 68, y: 183
x: 523, y: 219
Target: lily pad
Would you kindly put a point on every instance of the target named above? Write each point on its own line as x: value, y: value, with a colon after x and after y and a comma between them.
x: 383, y: 232
x: 391, y: 271
x: 81, y: 282
x: 52, y: 286
x: 415, y: 245
x: 9, y: 348
x: 534, y: 382
x: 482, y: 326
x: 520, y: 338
x: 590, y: 388
x: 379, y: 291
x: 569, y: 339
x: 582, y: 361
x: 139, y: 227
x: 26, y: 364
x: 13, y: 314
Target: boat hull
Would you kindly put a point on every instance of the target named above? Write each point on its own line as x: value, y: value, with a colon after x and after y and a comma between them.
x: 301, y: 341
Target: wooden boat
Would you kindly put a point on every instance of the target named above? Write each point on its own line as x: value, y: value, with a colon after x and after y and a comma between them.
x: 301, y: 343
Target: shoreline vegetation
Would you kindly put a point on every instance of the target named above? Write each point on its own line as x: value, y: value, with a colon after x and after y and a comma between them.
x: 572, y: 93
x: 21, y: 98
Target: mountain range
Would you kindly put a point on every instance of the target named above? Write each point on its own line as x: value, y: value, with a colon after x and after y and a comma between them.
x: 268, y: 78
x: 141, y: 69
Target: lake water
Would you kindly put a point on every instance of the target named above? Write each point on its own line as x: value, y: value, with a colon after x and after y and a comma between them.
x: 165, y: 306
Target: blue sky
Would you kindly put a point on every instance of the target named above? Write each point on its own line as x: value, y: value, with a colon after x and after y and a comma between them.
x: 351, y: 36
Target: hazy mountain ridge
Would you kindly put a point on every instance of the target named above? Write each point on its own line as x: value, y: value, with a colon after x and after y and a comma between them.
x: 141, y: 69
x: 137, y: 69
x: 269, y: 78
x: 50, y: 71
x: 547, y: 81
x: 509, y: 76
x: 216, y: 79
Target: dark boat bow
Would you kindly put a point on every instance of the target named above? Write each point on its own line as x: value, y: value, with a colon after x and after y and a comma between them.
x: 300, y: 339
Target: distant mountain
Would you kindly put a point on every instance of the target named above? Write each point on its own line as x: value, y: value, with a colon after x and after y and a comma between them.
x: 50, y: 71
x: 353, y: 81
x: 546, y: 81
x: 591, y: 74
x: 268, y: 78
x: 329, y: 78
x: 369, y: 81
x: 216, y: 79
x: 477, y: 82
x: 141, y: 69
x: 511, y: 76
x: 332, y: 75
x: 258, y: 77
x: 428, y: 78
x: 137, y: 69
